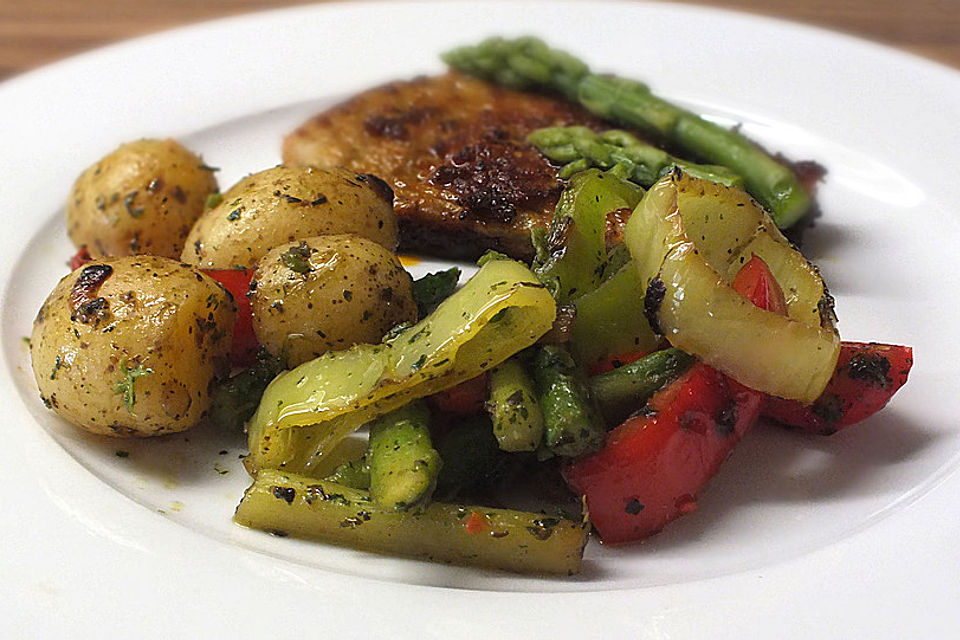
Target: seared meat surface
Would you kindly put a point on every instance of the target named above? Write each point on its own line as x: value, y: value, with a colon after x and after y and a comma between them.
x: 454, y: 150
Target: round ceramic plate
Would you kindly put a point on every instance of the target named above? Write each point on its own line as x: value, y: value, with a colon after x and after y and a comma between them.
x: 848, y: 536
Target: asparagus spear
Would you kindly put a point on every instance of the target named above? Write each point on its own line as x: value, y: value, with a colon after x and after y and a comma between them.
x: 627, y: 155
x: 620, y: 391
x: 403, y: 463
x: 572, y: 426
x: 513, y: 407
x: 527, y: 63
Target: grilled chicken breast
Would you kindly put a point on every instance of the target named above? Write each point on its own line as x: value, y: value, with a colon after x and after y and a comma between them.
x: 454, y: 150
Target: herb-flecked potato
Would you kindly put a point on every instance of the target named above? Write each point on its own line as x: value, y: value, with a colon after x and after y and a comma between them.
x: 287, y: 203
x: 142, y: 198
x: 326, y: 294
x: 130, y: 346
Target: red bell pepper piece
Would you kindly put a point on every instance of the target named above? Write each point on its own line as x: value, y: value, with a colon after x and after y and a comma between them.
x: 867, y: 376
x: 616, y: 361
x: 467, y: 398
x: 237, y: 282
x: 655, y: 464
x: 79, y: 259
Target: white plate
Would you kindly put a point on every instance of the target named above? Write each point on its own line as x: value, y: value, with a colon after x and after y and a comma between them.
x: 849, y: 536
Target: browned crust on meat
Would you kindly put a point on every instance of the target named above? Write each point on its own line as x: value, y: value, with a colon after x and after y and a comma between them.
x: 454, y: 150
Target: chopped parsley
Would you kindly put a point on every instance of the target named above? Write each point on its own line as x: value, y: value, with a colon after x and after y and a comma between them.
x: 124, y: 386
x: 213, y: 200
x: 296, y: 258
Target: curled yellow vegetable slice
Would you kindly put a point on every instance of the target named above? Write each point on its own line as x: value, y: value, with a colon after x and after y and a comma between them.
x: 304, y: 412
x: 688, y: 238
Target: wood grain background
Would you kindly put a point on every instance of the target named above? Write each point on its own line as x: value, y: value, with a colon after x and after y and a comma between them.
x: 35, y: 32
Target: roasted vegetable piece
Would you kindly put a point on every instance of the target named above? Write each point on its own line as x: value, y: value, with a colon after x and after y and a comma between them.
x: 572, y: 425
x: 287, y: 203
x: 142, y: 198
x: 466, y: 398
x: 514, y: 408
x: 527, y: 63
x: 476, y: 536
x: 403, y: 463
x: 610, y: 319
x: 471, y: 458
x: 576, y: 245
x: 433, y: 288
x: 688, y: 239
x: 352, y: 473
x: 867, y: 376
x: 235, y: 400
x: 654, y: 465
x: 245, y: 345
x: 328, y: 293
x: 622, y: 391
x: 500, y: 311
x: 131, y: 346
x: 577, y: 147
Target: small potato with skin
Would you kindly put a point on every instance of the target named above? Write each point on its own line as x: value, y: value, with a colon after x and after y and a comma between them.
x: 327, y: 294
x: 130, y: 346
x: 284, y: 204
x: 142, y: 198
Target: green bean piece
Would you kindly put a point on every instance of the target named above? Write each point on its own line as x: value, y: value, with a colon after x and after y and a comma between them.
x: 513, y: 407
x: 287, y: 504
x: 580, y: 148
x: 471, y: 458
x: 352, y: 473
x: 630, y: 103
x: 572, y: 425
x: 403, y: 463
x: 433, y: 288
x: 624, y: 390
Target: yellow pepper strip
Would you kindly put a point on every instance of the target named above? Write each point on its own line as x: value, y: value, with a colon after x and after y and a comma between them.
x: 304, y: 412
x: 688, y: 238
x: 475, y: 536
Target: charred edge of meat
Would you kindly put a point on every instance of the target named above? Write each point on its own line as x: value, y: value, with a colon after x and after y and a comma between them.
x: 444, y: 239
x: 656, y: 291
x: 84, y: 305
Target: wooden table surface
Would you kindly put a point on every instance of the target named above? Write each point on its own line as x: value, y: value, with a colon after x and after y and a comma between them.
x: 35, y: 32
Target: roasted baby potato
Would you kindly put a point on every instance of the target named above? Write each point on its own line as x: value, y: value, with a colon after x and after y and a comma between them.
x: 326, y: 294
x: 129, y: 346
x: 142, y: 198
x: 284, y: 204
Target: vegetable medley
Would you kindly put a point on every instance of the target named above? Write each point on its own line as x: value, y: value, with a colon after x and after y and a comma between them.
x: 494, y: 422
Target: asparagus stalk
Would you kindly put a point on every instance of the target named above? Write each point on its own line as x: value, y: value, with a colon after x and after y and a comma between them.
x: 572, y: 426
x: 513, y: 407
x: 403, y: 463
x: 627, y: 155
x: 527, y: 63
x: 620, y: 391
